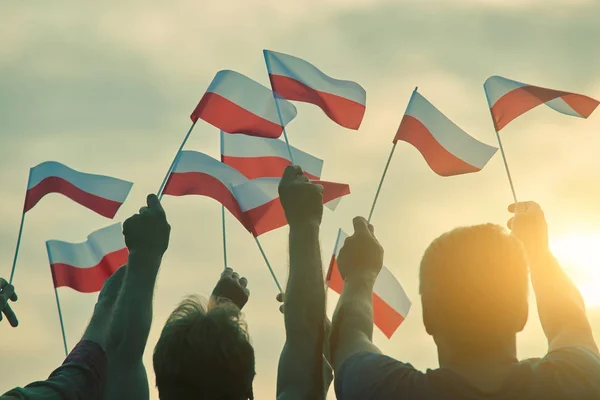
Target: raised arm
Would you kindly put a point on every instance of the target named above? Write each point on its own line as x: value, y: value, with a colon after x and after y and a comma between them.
x: 7, y: 292
x: 559, y: 302
x: 300, y: 373
x: 360, y: 261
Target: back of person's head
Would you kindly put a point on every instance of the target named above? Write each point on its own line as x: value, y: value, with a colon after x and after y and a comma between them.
x: 204, y: 354
x: 474, y: 285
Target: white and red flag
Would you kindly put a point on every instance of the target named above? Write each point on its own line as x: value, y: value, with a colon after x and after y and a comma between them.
x: 235, y: 103
x: 99, y: 193
x: 196, y: 173
x: 259, y: 200
x: 509, y: 99
x: 446, y: 148
x: 257, y: 157
x: 390, y: 302
x: 85, y: 266
x: 295, y: 79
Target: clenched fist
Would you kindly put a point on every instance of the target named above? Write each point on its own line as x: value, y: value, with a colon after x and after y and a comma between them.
x: 148, y: 231
x: 302, y: 201
x: 362, y: 256
x: 232, y: 288
x: 529, y: 225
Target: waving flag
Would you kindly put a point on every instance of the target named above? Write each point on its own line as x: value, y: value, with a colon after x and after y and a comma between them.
x: 85, y: 266
x: 99, y: 193
x: 295, y: 79
x: 259, y: 200
x: 265, y: 158
x: 447, y: 149
x: 199, y: 174
x: 235, y: 103
x: 509, y: 99
x: 390, y: 303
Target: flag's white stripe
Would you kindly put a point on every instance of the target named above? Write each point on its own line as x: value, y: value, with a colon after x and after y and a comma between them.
x: 89, y: 253
x: 496, y: 86
x: 311, y: 76
x: 251, y: 146
x: 99, y: 185
x: 193, y: 161
x: 561, y: 106
x: 448, y: 134
x: 256, y: 192
x: 340, y: 243
x: 251, y: 96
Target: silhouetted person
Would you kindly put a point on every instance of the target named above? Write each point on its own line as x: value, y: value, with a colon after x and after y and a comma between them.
x: 7, y: 292
x: 204, y: 351
x: 473, y: 285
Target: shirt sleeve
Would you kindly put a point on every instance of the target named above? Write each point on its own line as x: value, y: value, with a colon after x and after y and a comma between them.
x: 78, y: 378
x: 574, y: 371
x: 371, y: 376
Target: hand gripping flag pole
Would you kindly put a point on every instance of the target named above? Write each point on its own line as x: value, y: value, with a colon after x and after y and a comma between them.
x: 166, y: 178
x: 385, y: 171
x: 62, y: 325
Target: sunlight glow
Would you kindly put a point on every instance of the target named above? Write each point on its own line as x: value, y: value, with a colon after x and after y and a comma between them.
x: 579, y: 255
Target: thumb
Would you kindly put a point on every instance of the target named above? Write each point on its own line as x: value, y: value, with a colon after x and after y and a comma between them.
x: 360, y: 225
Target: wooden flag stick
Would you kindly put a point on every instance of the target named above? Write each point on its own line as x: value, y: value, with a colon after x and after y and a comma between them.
x: 18, y: 246
x: 164, y: 182
x: 224, y: 237
x: 62, y: 325
x: 512, y: 186
x: 268, y: 264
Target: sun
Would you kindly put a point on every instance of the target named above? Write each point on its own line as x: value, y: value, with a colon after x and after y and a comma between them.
x: 579, y: 255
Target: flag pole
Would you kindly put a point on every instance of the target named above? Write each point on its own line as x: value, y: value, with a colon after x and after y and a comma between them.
x: 62, y: 325
x: 268, y: 264
x: 18, y: 246
x: 330, y: 269
x: 277, y: 107
x: 512, y: 186
x: 164, y: 182
x: 224, y: 237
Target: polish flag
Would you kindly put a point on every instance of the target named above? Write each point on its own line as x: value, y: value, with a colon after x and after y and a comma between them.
x: 99, y: 193
x: 85, y: 266
x: 295, y: 79
x: 258, y: 157
x: 199, y: 174
x: 235, y: 103
x: 447, y: 149
x: 259, y: 200
x: 509, y: 99
x: 390, y: 302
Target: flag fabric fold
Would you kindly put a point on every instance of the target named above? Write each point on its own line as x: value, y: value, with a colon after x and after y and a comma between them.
x: 510, y: 99
x: 295, y: 79
x: 235, y: 103
x: 85, y: 266
x: 259, y: 200
x: 390, y: 302
x: 258, y: 157
x: 196, y: 173
x: 101, y: 194
x: 447, y: 149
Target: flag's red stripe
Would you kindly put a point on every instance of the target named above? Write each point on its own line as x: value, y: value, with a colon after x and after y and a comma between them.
x: 199, y: 183
x: 583, y: 105
x: 384, y: 316
x: 231, y: 118
x: 345, y: 112
x: 260, y: 167
x: 53, y: 184
x: 88, y: 280
x: 441, y: 161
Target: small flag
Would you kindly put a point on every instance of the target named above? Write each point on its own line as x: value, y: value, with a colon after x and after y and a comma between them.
x: 446, y: 148
x: 85, y: 266
x: 258, y: 157
x: 509, y: 99
x: 102, y: 194
x: 390, y: 303
x: 259, y: 200
x: 235, y: 103
x: 199, y: 174
x: 295, y: 79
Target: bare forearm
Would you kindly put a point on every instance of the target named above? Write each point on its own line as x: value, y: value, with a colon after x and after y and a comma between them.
x: 96, y: 330
x: 132, y: 316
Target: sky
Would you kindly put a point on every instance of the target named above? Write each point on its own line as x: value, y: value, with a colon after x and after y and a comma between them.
x: 108, y: 87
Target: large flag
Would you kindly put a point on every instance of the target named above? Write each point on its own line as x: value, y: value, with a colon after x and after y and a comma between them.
x: 295, y: 79
x: 102, y: 194
x: 235, y: 103
x: 259, y: 200
x: 390, y: 303
x: 509, y: 99
x: 85, y: 266
x: 447, y: 149
x: 265, y: 158
x: 199, y: 174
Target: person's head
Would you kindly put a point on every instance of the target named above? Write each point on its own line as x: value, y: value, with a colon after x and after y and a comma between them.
x: 204, y: 354
x: 474, y: 286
